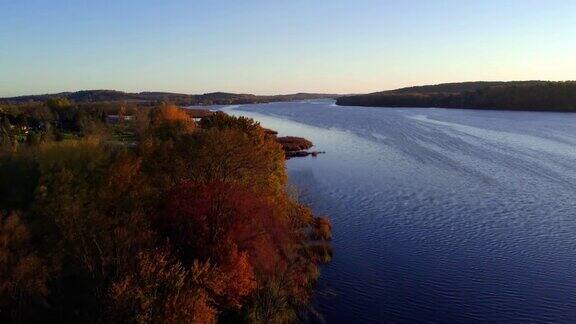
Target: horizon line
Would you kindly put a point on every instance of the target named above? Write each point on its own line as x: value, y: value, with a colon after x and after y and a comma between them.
x: 268, y: 94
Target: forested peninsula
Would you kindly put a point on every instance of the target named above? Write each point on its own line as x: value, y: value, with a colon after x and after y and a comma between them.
x: 516, y: 95
x: 129, y: 213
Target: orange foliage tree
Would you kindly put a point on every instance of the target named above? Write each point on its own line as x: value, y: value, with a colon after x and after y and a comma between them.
x: 161, y: 290
x: 170, y: 121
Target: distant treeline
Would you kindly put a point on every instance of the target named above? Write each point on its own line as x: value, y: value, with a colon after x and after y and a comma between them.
x: 517, y: 95
x: 153, y: 98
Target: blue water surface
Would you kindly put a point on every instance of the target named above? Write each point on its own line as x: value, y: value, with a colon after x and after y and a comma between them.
x: 439, y: 215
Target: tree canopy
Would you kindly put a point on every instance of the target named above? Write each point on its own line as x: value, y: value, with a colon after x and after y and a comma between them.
x: 160, y: 219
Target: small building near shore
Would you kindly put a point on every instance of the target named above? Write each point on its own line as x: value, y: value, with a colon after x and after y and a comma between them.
x: 115, y: 119
x: 198, y: 113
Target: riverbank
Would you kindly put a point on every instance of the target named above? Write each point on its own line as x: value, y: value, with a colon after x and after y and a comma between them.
x: 292, y: 146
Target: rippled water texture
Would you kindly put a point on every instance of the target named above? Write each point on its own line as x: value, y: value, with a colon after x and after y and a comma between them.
x: 439, y: 215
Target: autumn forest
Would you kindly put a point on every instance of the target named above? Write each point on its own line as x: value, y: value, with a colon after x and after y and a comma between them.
x: 150, y: 217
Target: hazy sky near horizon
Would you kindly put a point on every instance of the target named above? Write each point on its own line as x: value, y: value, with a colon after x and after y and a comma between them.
x: 269, y: 47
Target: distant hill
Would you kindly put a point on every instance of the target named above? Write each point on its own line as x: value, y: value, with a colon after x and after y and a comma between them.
x: 216, y: 98
x: 515, y: 95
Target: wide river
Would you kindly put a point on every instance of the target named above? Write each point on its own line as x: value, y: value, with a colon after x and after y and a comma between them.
x: 439, y: 215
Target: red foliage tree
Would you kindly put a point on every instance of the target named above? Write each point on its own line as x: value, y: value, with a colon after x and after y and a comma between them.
x: 208, y: 221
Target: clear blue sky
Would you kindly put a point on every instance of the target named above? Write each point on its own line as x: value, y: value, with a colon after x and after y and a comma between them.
x: 278, y: 46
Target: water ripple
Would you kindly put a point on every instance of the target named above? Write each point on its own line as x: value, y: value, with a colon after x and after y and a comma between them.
x: 439, y: 215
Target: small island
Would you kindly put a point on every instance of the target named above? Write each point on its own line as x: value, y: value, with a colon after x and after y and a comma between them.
x: 296, y: 147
